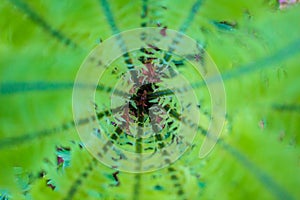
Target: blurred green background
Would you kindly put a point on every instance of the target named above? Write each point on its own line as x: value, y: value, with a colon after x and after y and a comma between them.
x: 256, y: 46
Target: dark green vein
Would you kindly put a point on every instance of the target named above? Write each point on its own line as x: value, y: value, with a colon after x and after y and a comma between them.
x: 191, y: 16
x: 286, y: 107
x: 79, y: 181
x: 138, y: 150
x: 144, y: 13
x: 13, y: 141
x: 20, y: 87
x: 278, y: 192
x: 285, y: 53
x: 109, y: 16
x: 177, y: 183
x: 263, y: 177
x: 37, y: 19
x: 115, y: 30
x: 183, y: 28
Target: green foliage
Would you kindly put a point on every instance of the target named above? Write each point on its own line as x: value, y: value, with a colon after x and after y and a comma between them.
x: 42, y: 45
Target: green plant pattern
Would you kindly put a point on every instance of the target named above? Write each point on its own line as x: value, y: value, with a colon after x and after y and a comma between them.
x: 256, y: 47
